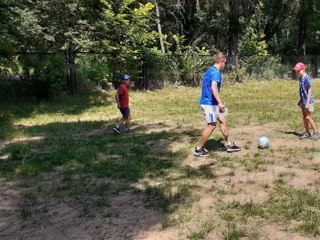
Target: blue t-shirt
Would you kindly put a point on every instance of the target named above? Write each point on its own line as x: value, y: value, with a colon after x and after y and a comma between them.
x: 304, y: 85
x: 211, y: 75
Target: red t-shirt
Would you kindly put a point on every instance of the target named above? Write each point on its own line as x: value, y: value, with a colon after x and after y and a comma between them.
x: 123, y: 96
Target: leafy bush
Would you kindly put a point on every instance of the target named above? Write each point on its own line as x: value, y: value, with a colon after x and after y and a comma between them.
x: 258, y: 67
x: 105, y: 84
x: 256, y: 61
x: 44, y: 76
x: 189, y: 62
x: 7, y: 89
x: 5, y: 118
x: 94, y: 68
x: 230, y: 74
x: 158, y: 69
x: 283, y: 70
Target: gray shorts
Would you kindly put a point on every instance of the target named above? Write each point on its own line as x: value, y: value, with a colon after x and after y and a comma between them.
x: 311, y: 108
x: 212, y: 113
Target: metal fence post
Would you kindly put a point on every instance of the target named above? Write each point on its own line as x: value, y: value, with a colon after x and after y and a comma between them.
x: 72, y: 80
x: 237, y: 79
x: 316, y: 66
x: 144, y: 71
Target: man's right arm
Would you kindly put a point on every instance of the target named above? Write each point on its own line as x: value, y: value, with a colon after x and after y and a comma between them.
x: 215, y: 91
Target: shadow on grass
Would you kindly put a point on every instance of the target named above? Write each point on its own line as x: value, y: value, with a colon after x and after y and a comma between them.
x: 92, y: 144
x: 91, y: 165
x: 298, y: 134
x: 67, y: 105
x: 214, y: 144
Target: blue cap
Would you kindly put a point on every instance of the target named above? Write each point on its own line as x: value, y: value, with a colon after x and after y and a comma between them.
x: 124, y: 76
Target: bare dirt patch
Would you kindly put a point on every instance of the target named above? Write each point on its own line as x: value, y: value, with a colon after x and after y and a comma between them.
x: 44, y: 211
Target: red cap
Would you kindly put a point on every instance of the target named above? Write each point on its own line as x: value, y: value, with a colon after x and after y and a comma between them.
x: 299, y: 66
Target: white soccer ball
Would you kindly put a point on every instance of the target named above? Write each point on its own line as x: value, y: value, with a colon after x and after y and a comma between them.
x: 263, y: 142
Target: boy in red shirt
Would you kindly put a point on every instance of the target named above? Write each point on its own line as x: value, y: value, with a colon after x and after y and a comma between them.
x: 122, y: 99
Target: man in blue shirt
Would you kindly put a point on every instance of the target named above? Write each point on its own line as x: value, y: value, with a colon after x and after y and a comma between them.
x: 214, y: 110
x: 306, y: 101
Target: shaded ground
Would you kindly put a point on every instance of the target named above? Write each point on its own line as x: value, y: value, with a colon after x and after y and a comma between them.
x: 45, y: 208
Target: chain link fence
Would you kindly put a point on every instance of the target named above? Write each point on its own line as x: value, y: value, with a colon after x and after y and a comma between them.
x: 151, y: 71
x: 47, y: 74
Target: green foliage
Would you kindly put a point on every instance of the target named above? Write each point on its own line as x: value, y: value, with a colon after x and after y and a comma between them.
x: 187, y: 62
x: 45, y: 76
x: 105, y: 85
x: 7, y: 89
x: 158, y: 68
x: 27, y: 27
x: 74, y: 28
x: 128, y: 29
x: 5, y: 118
x: 252, y: 42
x: 128, y: 35
x: 256, y: 61
x: 259, y: 68
x: 127, y: 26
x: 94, y: 68
x: 33, y: 26
x: 6, y: 46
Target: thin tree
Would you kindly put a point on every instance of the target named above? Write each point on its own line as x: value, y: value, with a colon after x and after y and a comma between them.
x: 159, y: 27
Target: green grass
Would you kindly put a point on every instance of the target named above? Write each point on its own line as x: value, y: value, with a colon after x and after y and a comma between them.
x: 285, y: 204
x: 202, y: 231
x: 256, y: 162
x: 70, y: 140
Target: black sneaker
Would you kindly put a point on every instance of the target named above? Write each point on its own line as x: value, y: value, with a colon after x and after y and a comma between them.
x: 201, y: 152
x: 233, y: 148
x: 128, y: 131
x: 222, y: 148
x: 305, y: 136
x: 116, y: 130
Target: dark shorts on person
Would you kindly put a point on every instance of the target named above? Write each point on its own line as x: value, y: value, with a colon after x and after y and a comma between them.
x: 125, y: 112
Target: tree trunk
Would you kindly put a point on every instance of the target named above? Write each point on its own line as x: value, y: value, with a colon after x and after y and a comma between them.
x: 234, y: 27
x: 190, y: 9
x: 302, y: 38
x: 159, y: 27
x: 303, y: 14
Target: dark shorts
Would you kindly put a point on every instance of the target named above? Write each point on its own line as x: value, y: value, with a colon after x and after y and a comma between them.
x: 125, y: 112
